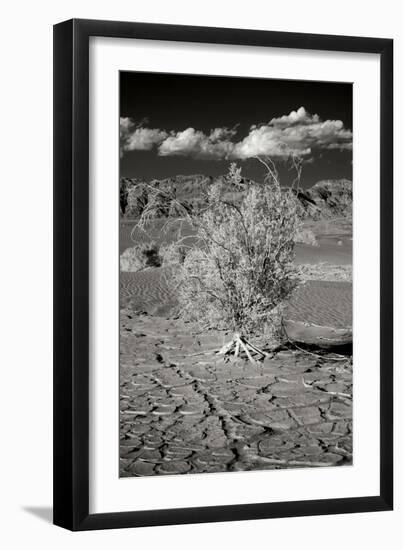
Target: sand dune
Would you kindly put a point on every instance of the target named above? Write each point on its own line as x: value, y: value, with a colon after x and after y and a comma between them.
x: 323, y: 303
x: 150, y: 290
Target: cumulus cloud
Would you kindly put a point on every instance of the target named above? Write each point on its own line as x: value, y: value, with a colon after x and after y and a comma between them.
x: 301, y: 117
x: 218, y: 134
x: 299, y: 132
x: 144, y: 139
x: 138, y: 138
x: 197, y: 144
x: 272, y: 142
x: 126, y: 124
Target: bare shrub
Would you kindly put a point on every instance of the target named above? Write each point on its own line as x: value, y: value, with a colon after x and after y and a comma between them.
x: 173, y: 253
x: 238, y: 269
x: 243, y: 269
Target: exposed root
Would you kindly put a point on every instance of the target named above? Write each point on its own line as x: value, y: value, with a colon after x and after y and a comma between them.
x: 240, y: 343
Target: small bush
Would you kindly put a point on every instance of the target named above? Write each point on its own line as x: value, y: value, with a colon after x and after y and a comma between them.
x: 306, y: 236
x: 140, y: 256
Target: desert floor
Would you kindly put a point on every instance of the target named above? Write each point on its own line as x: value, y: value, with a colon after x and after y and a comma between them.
x: 183, y: 409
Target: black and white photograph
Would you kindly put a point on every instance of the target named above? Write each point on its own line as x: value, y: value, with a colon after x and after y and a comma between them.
x: 236, y: 340
x: 200, y: 285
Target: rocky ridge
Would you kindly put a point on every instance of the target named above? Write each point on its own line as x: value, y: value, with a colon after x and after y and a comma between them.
x: 326, y: 199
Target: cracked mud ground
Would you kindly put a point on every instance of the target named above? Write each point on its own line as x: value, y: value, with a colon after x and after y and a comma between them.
x: 185, y: 411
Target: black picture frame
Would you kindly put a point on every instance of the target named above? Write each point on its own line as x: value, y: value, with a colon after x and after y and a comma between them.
x: 71, y: 274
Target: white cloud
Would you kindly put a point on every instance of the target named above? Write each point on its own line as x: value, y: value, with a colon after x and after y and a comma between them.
x: 194, y: 143
x: 301, y: 116
x: 144, y: 139
x: 126, y: 124
x: 299, y: 132
x: 224, y: 133
x: 135, y: 137
x: 271, y: 142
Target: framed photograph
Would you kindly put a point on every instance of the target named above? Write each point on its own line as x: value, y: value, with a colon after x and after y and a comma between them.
x: 223, y: 274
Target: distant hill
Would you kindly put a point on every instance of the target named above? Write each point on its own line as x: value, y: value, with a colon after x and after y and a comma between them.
x: 188, y: 189
x: 326, y: 199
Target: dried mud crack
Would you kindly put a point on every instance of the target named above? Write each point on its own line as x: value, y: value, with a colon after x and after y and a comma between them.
x: 184, y: 412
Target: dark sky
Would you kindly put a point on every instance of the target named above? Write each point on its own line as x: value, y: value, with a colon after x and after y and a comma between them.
x: 176, y: 102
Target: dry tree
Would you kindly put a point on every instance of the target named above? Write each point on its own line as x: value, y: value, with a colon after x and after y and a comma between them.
x: 238, y: 268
